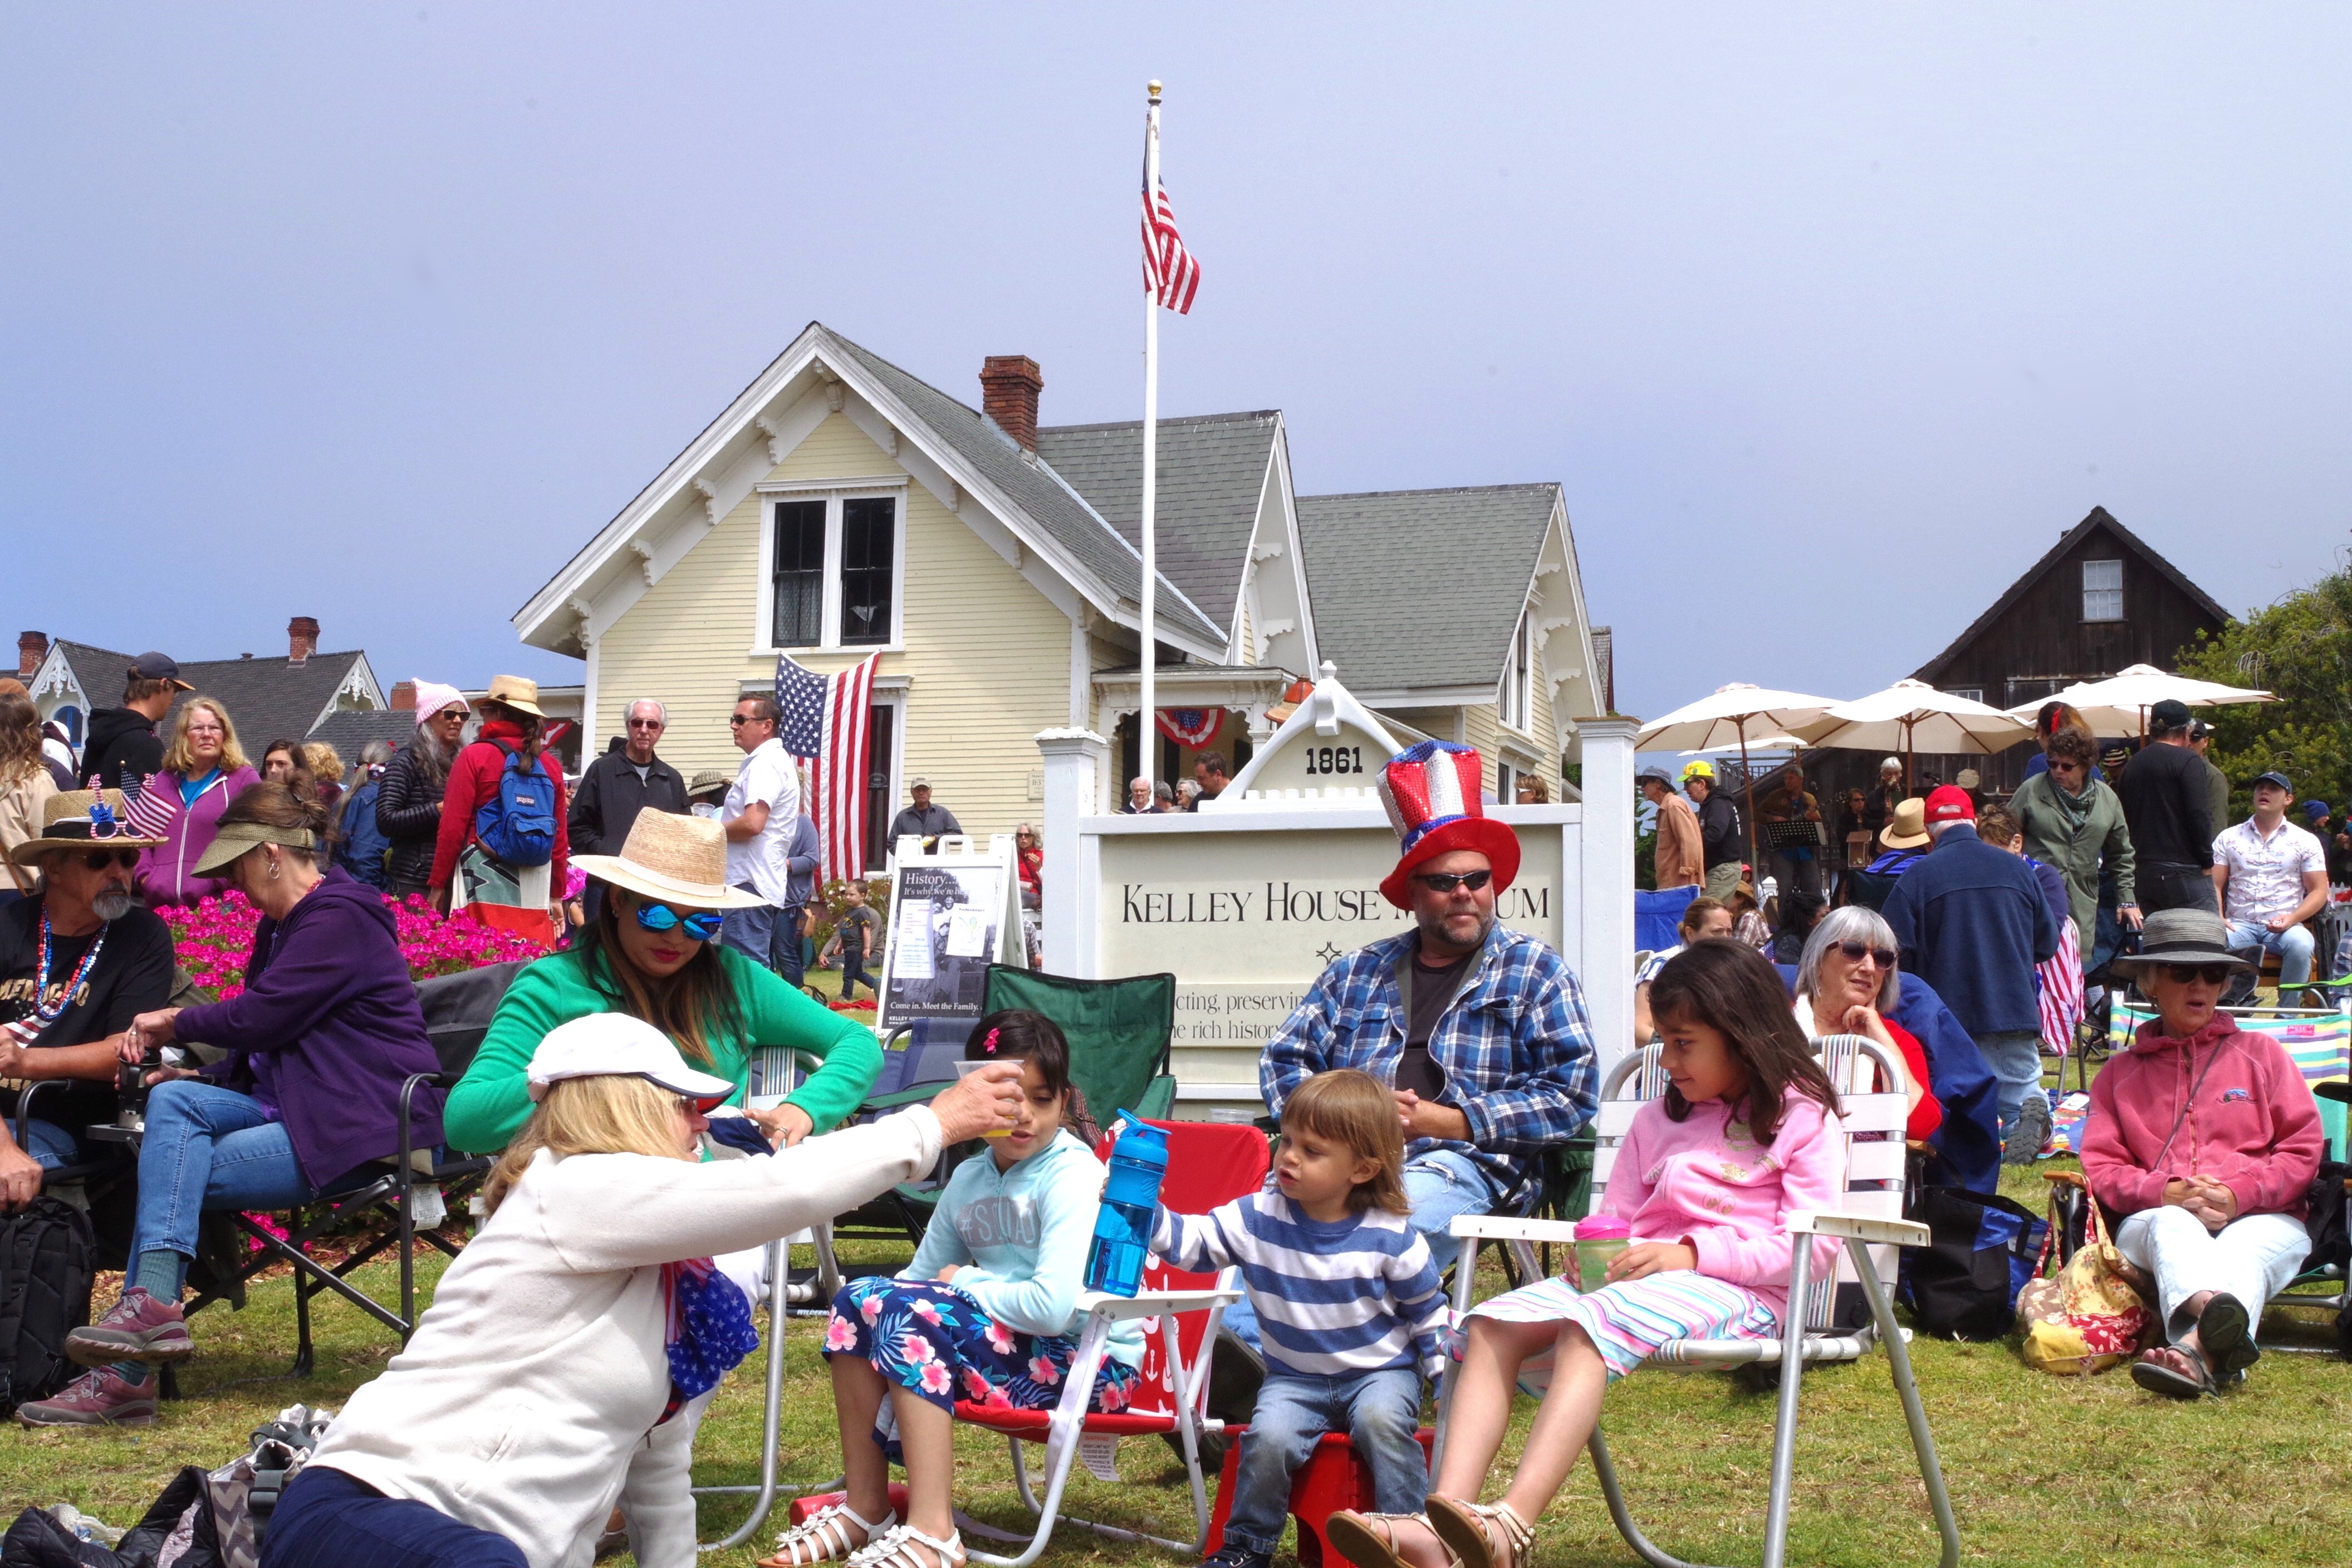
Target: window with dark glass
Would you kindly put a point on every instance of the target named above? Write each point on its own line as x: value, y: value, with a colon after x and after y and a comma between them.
x: 800, y: 574
x: 868, y: 537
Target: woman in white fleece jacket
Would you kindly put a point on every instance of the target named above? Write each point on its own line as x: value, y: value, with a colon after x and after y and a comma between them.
x: 503, y: 1434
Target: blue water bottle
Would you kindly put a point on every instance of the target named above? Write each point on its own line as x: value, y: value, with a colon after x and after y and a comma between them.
x: 1138, y: 1161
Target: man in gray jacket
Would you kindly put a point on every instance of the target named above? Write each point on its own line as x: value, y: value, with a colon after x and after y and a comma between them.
x: 2075, y: 823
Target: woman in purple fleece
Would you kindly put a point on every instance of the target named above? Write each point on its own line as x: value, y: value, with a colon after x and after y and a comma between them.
x: 204, y: 770
x: 305, y: 1103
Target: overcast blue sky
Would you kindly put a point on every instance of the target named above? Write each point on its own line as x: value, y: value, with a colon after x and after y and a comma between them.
x: 1830, y: 319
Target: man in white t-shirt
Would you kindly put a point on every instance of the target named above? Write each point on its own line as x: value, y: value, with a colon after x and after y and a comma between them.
x: 2272, y: 877
x: 761, y: 810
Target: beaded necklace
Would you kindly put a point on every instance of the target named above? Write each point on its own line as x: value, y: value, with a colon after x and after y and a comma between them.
x: 42, y: 1009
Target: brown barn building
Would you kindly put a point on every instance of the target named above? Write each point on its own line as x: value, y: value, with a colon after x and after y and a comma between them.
x: 2098, y: 601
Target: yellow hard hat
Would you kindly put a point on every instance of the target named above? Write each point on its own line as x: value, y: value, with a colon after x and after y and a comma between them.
x: 1698, y: 769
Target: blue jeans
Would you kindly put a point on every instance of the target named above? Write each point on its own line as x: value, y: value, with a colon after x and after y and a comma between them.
x: 210, y: 1148
x: 2293, y: 946
x: 1379, y: 1411
x: 51, y: 1146
x: 787, y: 952
x: 330, y: 1520
x: 752, y: 933
x: 2015, y: 1058
x: 1439, y: 1184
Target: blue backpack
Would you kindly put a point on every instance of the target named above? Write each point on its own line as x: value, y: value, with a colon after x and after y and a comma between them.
x: 518, y: 825
x: 364, y: 847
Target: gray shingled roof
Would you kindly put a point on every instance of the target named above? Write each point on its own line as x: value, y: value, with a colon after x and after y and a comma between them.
x: 1212, y: 472
x: 1421, y: 588
x: 349, y: 732
x: 267, y: 699
x: 1034, y: 488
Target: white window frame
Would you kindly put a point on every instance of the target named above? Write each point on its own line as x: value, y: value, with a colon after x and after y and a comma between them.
x: 1973, y: 693
x: 832, y: 493
x: 2116, y: 589
x: 1515, y: 701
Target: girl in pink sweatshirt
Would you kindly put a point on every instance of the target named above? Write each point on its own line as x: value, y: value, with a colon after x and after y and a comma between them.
x: 1705, y: 1180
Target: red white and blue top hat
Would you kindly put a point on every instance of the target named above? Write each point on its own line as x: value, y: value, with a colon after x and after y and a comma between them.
x: 1436, y: 804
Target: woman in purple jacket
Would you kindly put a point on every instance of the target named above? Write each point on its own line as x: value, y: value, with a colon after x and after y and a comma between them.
x: 204, y: 770
x: 305, y: 1103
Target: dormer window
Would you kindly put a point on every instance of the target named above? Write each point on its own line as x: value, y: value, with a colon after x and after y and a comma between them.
x: 2103, y: 590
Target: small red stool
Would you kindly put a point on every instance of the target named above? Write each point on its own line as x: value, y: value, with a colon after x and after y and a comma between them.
x: 802, y: 1507
x: 1334, y: 1478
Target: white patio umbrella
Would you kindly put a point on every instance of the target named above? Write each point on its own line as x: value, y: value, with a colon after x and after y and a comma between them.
x: 1740, y: 714
x: 2121, y: 701
x: 1911, y: 716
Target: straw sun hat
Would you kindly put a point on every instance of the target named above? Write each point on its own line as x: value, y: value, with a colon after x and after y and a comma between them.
x: 673, y: 858
x: 80, y: 819
x: 1908, y: 828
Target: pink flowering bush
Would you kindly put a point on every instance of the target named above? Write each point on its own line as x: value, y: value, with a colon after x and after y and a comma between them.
x: 213, y: 936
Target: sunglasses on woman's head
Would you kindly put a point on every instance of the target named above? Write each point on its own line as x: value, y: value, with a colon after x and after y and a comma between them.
x: 1856, y: 952
x: 2210, y: 974
x: 702, y: 925
x: 1446, y: 882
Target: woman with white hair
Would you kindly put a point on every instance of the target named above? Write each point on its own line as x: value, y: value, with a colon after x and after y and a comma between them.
x: 585, y: 1316
x: 1848, y: 982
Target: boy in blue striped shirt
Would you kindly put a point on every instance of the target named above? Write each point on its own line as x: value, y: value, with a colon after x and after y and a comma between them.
x: 1347, y: 1298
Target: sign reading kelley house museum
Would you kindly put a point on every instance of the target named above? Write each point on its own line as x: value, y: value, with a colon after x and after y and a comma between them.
x: 1248, y: 901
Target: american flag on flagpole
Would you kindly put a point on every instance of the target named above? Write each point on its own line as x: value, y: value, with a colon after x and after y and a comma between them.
x: 826, y: 724
x: 146, y: 807
x: 1170, y: 273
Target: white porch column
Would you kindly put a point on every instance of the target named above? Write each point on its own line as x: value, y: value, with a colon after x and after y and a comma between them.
x: 1076, y: 762
x: 1606, y: 890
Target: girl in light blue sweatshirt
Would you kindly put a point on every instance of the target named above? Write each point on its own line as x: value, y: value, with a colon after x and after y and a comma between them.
x: 987, y: 1312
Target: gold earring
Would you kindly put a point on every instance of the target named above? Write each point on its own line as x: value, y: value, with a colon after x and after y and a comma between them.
x: 273, y: 870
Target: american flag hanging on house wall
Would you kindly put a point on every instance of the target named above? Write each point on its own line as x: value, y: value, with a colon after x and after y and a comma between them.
x: 826, y: 724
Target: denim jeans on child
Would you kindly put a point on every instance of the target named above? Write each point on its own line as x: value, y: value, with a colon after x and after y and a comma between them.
x: 1379, y: 1411
x: 2015, y: 1058
x: 2293, y: 946
x: 212, y: 1147
x: 1440, y: 1185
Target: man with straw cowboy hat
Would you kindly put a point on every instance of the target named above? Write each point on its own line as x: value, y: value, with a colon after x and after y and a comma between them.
x: 78, y: 962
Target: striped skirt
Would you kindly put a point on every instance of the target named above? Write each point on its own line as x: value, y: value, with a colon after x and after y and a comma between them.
x: 1628, y: 1321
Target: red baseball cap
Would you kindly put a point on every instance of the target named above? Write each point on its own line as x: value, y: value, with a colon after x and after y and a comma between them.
x: 1949, y: 803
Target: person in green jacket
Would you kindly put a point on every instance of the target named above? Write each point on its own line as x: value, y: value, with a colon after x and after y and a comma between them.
x: 2073, y: 822
x: 647, y: 954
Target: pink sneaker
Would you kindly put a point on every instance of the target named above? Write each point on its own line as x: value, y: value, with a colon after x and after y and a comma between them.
x: 137, y: 1327
x: 100, y: 1398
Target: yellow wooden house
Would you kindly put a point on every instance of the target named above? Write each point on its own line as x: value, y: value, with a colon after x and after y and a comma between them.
x: 841, y: 507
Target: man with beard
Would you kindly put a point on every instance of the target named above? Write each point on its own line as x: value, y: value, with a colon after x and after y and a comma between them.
x: 77, y: 965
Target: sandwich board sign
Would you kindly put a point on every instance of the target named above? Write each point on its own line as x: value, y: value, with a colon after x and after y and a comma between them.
x: 952, y: 913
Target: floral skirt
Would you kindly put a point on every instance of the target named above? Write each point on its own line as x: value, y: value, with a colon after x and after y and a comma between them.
x: 934, y: 1340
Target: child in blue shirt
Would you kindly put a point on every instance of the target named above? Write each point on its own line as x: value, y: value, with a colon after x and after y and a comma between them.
x: 1347, y: 1298
x: 987, y: 1311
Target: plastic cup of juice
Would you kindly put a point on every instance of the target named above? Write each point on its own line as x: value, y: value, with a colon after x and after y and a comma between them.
x: 964, y: 1071
x: 1599, y: 1239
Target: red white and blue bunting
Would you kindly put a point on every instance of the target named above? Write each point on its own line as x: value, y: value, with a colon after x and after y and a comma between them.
x: 1191, y: 727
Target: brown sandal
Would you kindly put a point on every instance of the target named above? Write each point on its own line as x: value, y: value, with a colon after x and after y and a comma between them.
x: 1467, y: 1529
x: 1369, y: 1540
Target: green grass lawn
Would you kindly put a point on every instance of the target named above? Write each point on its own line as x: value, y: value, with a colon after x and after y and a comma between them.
x: 2042, y: 1471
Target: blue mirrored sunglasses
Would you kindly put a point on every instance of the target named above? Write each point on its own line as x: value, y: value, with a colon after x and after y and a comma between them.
x: 702, y: 925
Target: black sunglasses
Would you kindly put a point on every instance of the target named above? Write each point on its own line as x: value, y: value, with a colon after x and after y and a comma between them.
x: 2212, y: 973
x: 1856, y: 952
x: 1446, y: 882
x: 745, y: 719
x: 100, y: 859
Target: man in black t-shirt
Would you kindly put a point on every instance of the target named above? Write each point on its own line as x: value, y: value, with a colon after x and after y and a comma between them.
x: 77, y: 965
x: 2169, y: 811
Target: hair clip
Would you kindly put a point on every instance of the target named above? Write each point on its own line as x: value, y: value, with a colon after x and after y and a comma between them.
x: 988, y: 1045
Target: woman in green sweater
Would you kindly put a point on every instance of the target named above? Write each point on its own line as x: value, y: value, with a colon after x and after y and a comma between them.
x: 649, y: 955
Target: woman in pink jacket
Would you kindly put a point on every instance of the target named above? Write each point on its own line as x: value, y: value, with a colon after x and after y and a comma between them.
x: 2204, y: 1139
x: 204, y: 768
x: 1705, y: 1180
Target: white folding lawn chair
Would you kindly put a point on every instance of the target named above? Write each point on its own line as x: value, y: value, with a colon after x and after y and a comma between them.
x: 1870, y: 1227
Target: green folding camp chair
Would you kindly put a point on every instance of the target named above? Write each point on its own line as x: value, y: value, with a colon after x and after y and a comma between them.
x: 1120, y: 1032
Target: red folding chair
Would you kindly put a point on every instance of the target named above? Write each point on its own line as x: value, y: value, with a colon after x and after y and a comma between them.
x: 1208, y: 1163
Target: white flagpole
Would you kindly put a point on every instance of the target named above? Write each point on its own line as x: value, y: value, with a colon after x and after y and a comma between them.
x: 1148, y: 721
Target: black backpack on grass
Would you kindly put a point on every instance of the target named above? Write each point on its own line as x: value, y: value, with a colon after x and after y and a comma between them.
x: 47, y: 1257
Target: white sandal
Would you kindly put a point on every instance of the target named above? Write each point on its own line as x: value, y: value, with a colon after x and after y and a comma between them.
x: 1462, y: 1526
x: 824, y: 1535
x: 895, y: 1549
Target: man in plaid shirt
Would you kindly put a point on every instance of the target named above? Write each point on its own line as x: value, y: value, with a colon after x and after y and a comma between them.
x: 1481, y: 1030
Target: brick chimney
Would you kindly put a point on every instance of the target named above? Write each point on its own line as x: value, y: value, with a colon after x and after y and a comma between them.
x: 1008, y: 384
x: 404, y: 697
x: 301, y: 640
x: 31, y: 648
